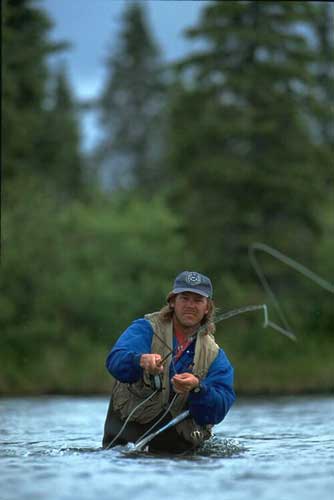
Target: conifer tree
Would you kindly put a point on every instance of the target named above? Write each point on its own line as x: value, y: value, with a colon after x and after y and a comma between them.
x: 322, y: 99
x: 248, y: 161
x: 61, y: 159
x: 25, y: 74
x: 323, y: 26
x: 130, y: 106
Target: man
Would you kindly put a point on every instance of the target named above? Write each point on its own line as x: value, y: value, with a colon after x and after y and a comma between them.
x: 168, y: 362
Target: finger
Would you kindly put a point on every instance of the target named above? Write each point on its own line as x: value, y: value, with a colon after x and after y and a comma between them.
x: 182, y: 376
x: 179, y: 390
x: 182, y: 388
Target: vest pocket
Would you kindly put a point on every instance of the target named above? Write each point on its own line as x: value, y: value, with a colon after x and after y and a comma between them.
x: 127, y: 396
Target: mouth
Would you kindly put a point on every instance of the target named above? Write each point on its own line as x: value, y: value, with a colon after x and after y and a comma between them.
x: 190, y: 314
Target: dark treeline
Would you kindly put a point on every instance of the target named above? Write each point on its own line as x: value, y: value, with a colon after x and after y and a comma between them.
x: 197, y: 160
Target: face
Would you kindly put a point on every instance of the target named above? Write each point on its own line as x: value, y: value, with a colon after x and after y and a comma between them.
x: 189, y: 308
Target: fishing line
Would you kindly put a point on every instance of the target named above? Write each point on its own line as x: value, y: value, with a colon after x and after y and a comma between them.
x: 290, y: 262
x: 128, y: 418
x: 329, y: 287
x: 286, y: 328
x: 158, y: 421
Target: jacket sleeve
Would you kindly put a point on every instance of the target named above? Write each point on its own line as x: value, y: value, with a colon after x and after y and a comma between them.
x: 211, y: 404
x: 123, y: 360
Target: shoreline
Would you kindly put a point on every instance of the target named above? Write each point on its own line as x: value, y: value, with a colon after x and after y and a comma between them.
x: 240, y: 394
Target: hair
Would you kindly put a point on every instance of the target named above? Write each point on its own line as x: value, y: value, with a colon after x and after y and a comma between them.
x: 167, y: 312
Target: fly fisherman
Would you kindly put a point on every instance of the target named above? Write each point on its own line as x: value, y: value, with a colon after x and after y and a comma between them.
x: 168, y: 362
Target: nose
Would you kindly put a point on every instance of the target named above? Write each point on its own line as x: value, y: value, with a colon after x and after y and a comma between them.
x: 191, y: 301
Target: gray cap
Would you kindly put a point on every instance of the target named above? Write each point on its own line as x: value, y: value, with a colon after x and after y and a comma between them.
x: 190, y: 281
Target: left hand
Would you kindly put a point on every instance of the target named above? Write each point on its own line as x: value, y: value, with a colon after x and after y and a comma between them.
x: 184, y: 382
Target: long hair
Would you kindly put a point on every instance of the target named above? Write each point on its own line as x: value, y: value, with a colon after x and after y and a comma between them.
x: 167, y: 312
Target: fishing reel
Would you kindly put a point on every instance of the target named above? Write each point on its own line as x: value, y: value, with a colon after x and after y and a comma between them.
x: 156, y: 382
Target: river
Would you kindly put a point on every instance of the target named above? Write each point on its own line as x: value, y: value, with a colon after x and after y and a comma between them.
x: 266, y: 449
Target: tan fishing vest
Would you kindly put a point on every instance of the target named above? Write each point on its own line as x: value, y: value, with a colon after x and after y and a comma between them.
x: 126, y: 397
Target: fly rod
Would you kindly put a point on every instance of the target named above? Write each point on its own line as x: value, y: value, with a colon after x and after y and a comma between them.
x: 143, y: 442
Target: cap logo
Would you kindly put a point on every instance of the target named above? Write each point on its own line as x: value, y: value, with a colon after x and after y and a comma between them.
x: 193, y: 279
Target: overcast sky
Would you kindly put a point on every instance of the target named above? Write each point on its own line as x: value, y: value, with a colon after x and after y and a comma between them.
x: 91, y: 26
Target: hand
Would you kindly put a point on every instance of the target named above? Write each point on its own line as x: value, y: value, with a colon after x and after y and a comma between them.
x: 184, y: 382
x: 151, y: 363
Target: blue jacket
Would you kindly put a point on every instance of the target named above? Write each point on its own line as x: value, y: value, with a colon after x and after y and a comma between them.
x: 209, y: 406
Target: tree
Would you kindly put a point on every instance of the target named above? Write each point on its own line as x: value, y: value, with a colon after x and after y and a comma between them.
x: 130, y: 107
x: 322, y: 117
x: 61, y: 160
x: 25, y: 75
x: 245, y: 169
x: 322, y: 25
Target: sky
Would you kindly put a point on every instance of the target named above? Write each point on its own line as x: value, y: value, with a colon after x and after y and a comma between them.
x: 92, y: 26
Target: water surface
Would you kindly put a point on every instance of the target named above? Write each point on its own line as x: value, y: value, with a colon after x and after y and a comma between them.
x: 265, y: 449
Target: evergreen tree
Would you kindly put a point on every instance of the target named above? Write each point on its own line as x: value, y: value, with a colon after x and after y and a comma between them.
x: 245, y: 168
x: 322, y: 118
x: 323, y: 23
x: 130, y: 107
x: 25, y: 74
x: 60, y: 152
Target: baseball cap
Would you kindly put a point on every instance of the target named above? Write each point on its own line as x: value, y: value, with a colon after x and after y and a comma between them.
x: 191, y: 281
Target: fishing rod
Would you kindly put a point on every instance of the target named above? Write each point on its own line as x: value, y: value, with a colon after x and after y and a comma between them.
x: 230, y: 314
x: 139, y: 445
x: 267, y: 322
x: 287, y: 330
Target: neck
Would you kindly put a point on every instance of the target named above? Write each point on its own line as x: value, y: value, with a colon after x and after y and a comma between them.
x: 188, y: 331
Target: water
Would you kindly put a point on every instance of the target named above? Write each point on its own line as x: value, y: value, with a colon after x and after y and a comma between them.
x: 265, y: 449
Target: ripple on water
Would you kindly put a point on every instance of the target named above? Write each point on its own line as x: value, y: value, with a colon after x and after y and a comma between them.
x: 213, y: 448
x: 263, y: 450
x: 221, y: 448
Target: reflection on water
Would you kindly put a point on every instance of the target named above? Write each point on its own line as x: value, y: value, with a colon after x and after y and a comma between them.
x: 269, y: 449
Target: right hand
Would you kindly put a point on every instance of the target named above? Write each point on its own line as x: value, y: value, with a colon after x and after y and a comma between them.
x: 151, y: 363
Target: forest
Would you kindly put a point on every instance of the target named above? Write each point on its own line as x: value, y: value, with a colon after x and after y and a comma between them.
x: 198, y: 162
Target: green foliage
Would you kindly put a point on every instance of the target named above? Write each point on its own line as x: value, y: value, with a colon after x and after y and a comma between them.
x: 322, y: 23
x: 25, y: 50
x: 267, y: 363
x: 249, y: 163
x: 320, y: 317
x: 241, y: 152
x: 75, y: 275
x: 40, y: 131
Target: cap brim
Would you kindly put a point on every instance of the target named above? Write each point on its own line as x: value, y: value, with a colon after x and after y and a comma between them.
x: 192, y: 290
